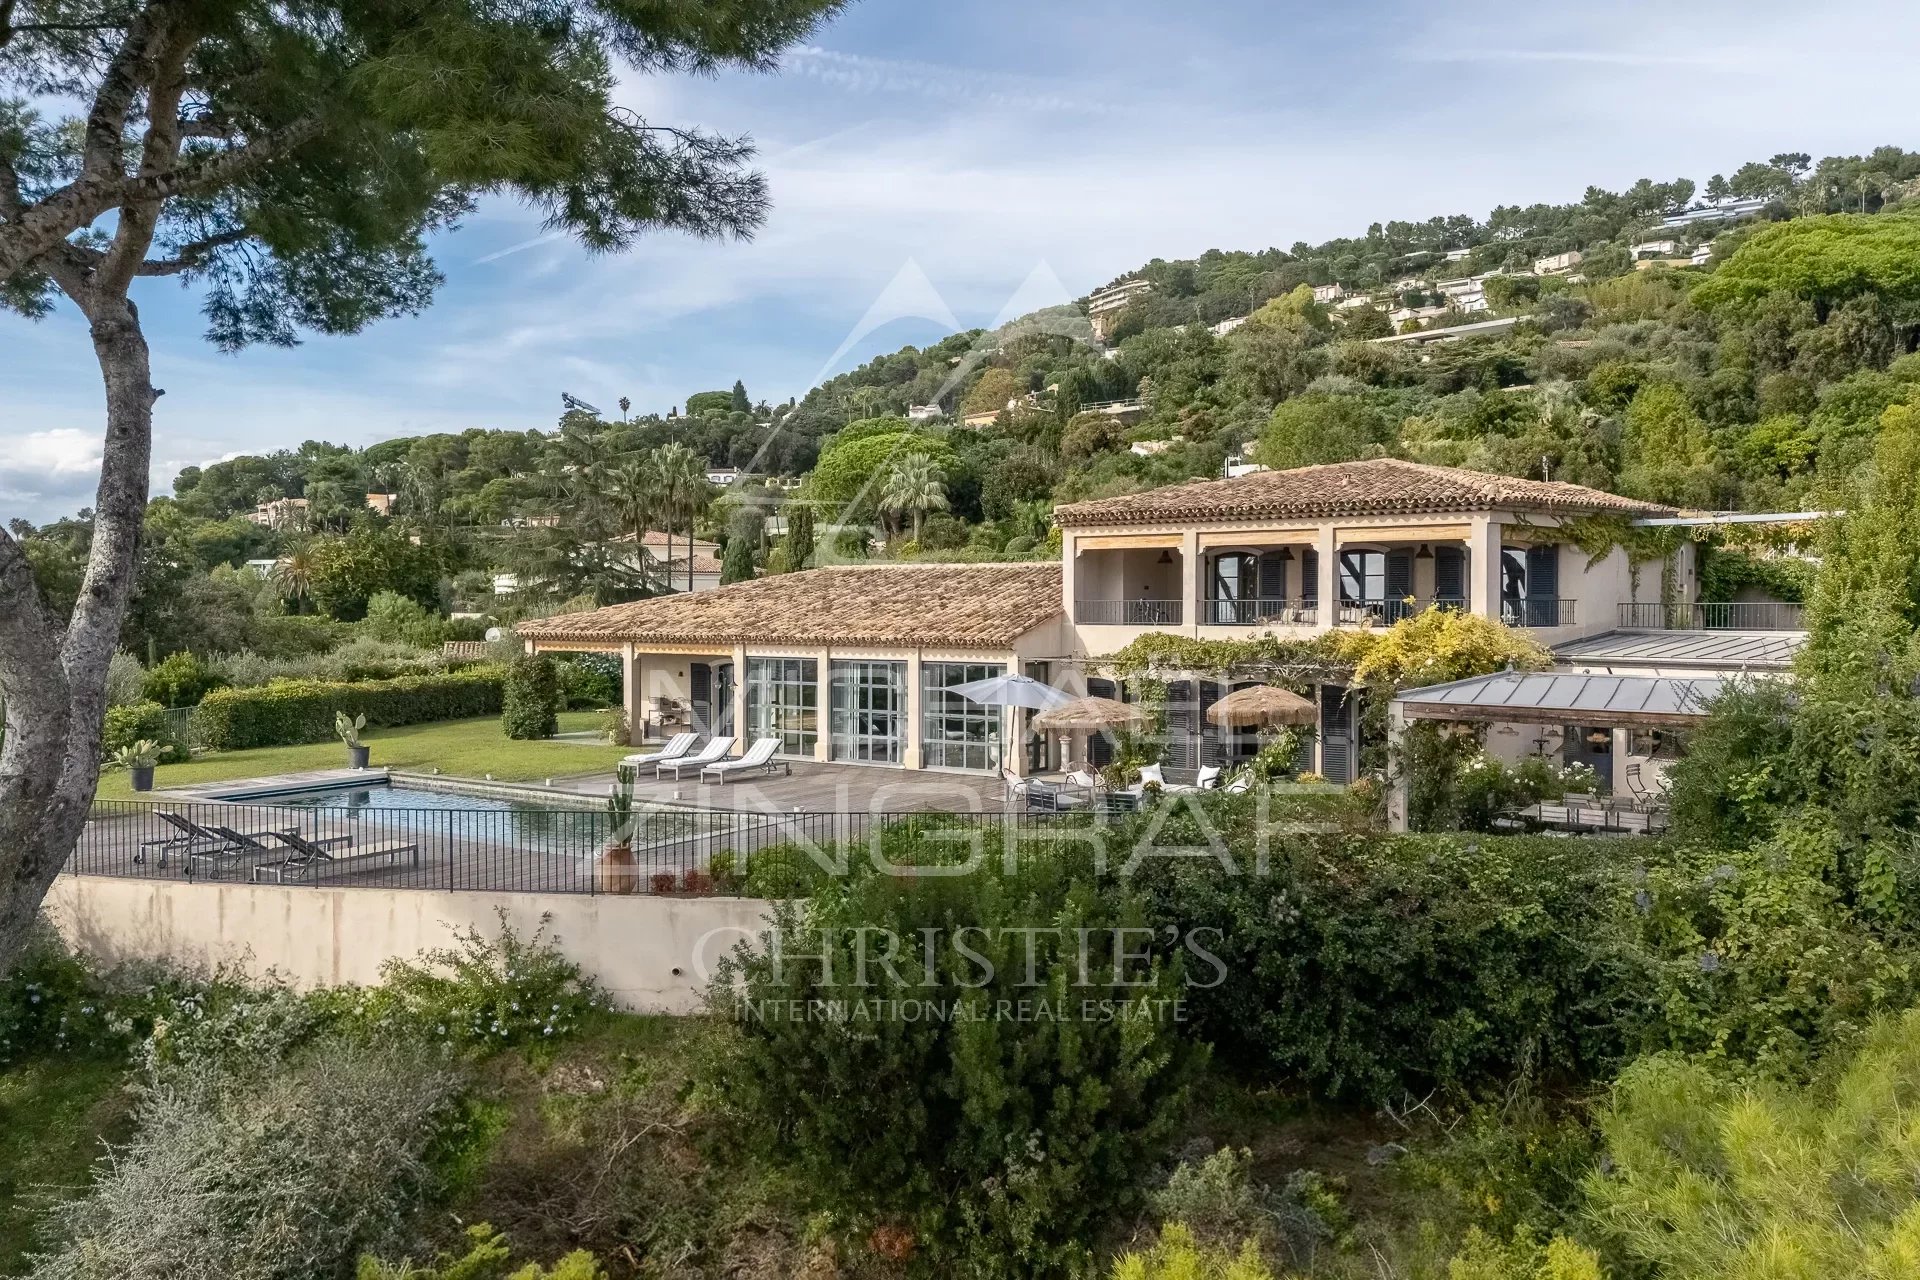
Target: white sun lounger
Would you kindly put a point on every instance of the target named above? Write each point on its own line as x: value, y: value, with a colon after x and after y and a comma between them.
x: 678, y: 745
x: 716, y: 749
x: 758, y: 759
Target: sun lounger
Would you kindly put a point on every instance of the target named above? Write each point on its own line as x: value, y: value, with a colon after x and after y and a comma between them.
x: 677, y: 746
x: 311, y: 858
x: 239, y: 846
x: 192, y: 839
x: 714, y: 751
x: 758, y: 759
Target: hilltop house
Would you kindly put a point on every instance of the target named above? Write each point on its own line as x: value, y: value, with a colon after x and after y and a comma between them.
x: 1105, y: 305
x: 853, y: 663
x: 1558, y: 264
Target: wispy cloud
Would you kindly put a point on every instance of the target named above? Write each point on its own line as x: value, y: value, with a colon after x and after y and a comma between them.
x: 522, y: 247
x: 858, y: 73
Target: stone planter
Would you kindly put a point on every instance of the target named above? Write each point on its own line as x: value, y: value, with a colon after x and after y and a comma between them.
x: 616, y: 871
x: 141, y: 778
x: 357, y: 757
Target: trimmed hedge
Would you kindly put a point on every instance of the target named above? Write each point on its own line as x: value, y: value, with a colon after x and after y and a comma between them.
x: 294, y: 711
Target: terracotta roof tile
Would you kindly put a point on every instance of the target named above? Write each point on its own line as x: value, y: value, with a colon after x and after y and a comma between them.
x: 1377, y: 486
x: 961, y: 605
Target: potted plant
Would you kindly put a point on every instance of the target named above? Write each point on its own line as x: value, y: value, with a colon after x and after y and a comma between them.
x: 349, y: 731
x: 138, y: 759
x: 615, y: 872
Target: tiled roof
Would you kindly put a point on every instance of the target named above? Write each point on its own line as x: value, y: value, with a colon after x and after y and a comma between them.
x: 1376, y: 486
x: 960, y: 605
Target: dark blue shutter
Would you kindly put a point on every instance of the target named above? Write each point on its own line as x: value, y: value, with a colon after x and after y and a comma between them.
x: 1543, y: 586
x: 1214, y: 739
x: 1182, y: 749
x: 1399, y: 583
x: 1099, y: 745
x: 1273, y: 576
x: 1310, y: 576
x: 1450, y: 574
x: 1336, y: 735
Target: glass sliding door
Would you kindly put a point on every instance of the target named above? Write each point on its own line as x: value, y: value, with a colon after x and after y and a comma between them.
x: 956, y: 733
x: 783, y: 701
x: 869, y: 711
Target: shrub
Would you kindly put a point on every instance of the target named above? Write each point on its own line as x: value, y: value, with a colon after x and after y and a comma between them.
x: 1365, y: 967
x: 530, y: 701
x: 51, y: 1003
x: 143, y: 721
x: 282, y: 1177
x: 126, y: 679
x: 1176, y: 1256
x: 589, y: 680
x: 180, y: 680
x: 488, y: 1257
x: 1708, y: 1178
x: 490, y: 993
x: 986, y: 1136
x: 294, y: 711
x: 399, y: 619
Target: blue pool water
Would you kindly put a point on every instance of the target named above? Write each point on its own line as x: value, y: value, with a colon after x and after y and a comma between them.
x: 387, y: 796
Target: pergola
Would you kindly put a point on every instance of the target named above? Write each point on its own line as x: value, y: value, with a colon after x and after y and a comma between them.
x: 1544, y: 697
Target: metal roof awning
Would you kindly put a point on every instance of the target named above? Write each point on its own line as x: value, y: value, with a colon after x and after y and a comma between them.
x: 1723, y: 650
x: 1534, y: 696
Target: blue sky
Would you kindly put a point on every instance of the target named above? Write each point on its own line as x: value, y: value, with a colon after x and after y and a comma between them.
x: 943, y: 166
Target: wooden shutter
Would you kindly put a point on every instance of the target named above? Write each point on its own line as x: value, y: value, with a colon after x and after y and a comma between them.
x: 1310, y: 576
x: 1216, y: 742
x: 1449, y: 574
x: 702, y: 699
x: 1099, y: 745
x: 1336, y: 735
x: 1273, y: 576
x: 1182, y: 750
x: 1543, y: 587
x: 1399, y: 581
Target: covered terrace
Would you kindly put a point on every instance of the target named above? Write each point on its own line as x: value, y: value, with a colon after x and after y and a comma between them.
x: 1627, y: 728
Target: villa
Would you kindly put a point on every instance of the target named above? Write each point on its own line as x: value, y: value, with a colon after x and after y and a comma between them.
x: 853, y: 663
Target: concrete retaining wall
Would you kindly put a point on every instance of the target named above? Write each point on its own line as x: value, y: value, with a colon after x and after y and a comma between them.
x: 651, y: 953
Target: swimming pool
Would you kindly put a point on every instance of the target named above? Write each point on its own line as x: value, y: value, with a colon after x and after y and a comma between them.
x: 387, y: 795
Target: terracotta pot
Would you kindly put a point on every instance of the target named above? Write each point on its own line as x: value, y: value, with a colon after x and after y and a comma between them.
x: 615, y: 871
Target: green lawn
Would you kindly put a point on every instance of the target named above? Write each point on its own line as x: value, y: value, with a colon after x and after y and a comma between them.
x: 463, y: 748
x: 53, y: 1114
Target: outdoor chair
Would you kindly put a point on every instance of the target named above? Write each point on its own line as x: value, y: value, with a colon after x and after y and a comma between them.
x: 1041, y: 796
x: 238, y: 846
x: 191, y: 839
x: 678, y: 745
x: 714, y: 752
x: 1241, y: 784
x: 188, y: 837
x: 1208, y: 779
x: 1151, y: 774
x: 311, y: 856
x: 758, y: 759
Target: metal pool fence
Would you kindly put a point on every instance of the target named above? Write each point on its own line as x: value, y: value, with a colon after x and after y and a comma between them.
x: 521, y: 850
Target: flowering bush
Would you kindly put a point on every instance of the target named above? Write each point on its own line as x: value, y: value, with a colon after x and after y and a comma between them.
x: 52, y: 1003
x: 489, y: 993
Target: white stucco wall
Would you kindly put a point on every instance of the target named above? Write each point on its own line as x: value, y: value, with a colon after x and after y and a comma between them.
x: 650, y: 952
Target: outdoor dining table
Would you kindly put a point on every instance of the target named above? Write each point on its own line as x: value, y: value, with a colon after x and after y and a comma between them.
x: 1578, y: 816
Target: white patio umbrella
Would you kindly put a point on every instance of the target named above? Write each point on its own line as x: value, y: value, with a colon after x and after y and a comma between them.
x: 1012, y: 691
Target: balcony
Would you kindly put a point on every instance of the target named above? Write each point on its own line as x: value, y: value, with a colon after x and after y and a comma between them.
x: 1761, y: 615
x: 1127, y: 613
x: 1385, y: 611
x: 1537, y: 613
x: 1260, y: 612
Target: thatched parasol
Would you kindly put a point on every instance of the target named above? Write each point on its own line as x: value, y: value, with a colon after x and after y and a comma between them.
x: 1262, y: 706
x: 1090, y: 715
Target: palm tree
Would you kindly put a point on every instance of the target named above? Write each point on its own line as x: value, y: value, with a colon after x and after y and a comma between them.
x: 634, y: 491
x: 915, y: 485
x: 294, y: 576
x: 680, y: 487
